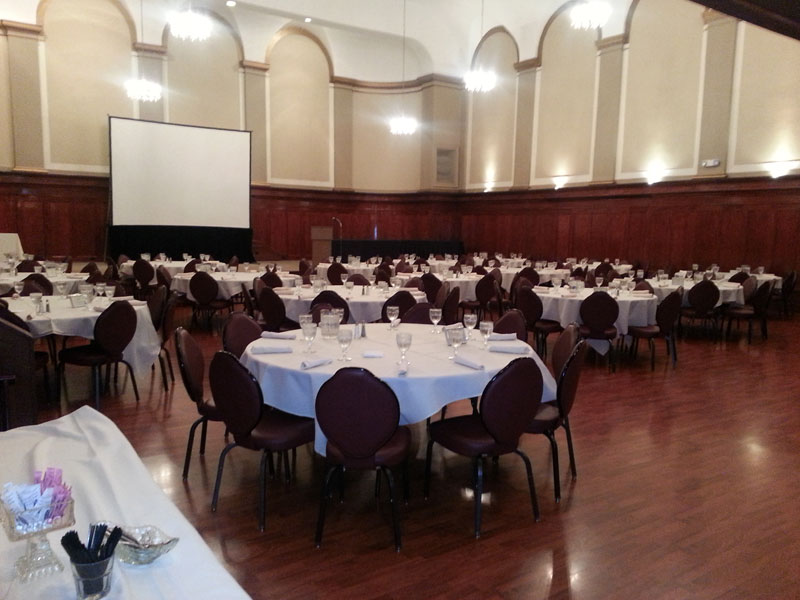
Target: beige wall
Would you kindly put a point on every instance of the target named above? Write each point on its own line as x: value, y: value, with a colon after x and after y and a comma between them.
x: 660, y: 122
x: 300, y: 100
x: 565, y: 111
x: 766, y: 121
x: 88, y: 59
x: 203, y: 80
x: 492, y: 117
x: 6, y: 131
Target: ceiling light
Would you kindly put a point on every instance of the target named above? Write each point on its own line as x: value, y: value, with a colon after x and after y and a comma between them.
x: 307, y: 19
x: 478, y: 80
x: 189, y: 25
x: 143, y: 90
x: 590, y: 14
x: 403, y: 125
x: 230, y: 3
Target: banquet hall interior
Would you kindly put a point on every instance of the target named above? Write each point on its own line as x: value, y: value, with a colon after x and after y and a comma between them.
x: 665, y: 140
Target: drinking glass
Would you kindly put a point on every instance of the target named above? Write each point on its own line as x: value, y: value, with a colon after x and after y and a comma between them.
x: 403, y: 343
x: 18, y: 287
x: 339, y: 312
x: 345, y: 337
x: 348, y: 285
x: 99, y: 289
x: 392, y: 313
x: 110, y: 291
x: 435, y: 315
x: 599, y: 281
x: 309, y: 333
x: 486, y: 329
x: 556, y: 282
x: 306, y: 318
x: 470, y: 321
x: 426, y: 269
x: 61, y: 288
x: 456, y: 336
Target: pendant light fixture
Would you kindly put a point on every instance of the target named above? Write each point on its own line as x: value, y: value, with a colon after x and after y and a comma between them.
x: 189, y: 25
x: 142, y: 89
x: 590, y: 14
x: 478, y: 80
x: 403, y: 124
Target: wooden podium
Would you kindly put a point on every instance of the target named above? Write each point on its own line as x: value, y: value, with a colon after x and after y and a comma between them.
x: 321, y: 238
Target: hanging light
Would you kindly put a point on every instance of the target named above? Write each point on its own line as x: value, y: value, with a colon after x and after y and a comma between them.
x: 143, y: 90
x: 478, y: 80
x: 189, y: 25
x: 590, y: 14
x: 402, y: 124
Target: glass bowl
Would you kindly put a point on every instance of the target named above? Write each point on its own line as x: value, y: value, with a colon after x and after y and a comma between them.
x: 141, y: 545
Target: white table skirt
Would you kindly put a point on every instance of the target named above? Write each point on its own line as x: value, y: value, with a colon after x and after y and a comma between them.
x: 230, y: 284
x: 363, y: 308
x: 71, y: 281
x: 109, y: 483
x: 141, y: 352
x: 633, y: 310
x: 728, y: 292
x: 432, y: 380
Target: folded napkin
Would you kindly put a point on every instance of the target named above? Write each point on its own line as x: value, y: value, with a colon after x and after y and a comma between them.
x: 137, y: 302
x: 98, y: 308
x: 117, y: 298
x: 510, y: 349
x: 542, y: 289
x: 256, y: 349
x: 274, y: 335
x: 463, y: 360
x: 642, y: 293
x: 372, y: 354
x: 502, y: 337
x: 316, y: 362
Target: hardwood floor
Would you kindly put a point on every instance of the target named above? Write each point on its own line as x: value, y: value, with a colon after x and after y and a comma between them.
x: 688, y: 486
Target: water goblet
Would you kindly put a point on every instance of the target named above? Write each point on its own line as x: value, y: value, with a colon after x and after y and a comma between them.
x: 110, y: 291
x: 345, y: 338
x: 392, y: 313
x: 100, y: 289
x: 309, y: 333
x: 61, y: 288
x: 486, y: 329
x: 348, y: 285
x: 339, y: 312
x: 18, y: 287
x: 556, y: 282
x: 599, y: 281
x: 470, y: 321
x: 435, y: 315
x: 306, y: 318
x: 456, y: 337
x: 403, y: 340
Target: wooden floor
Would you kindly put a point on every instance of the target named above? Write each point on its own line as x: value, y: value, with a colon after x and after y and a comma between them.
x: 688, y: 487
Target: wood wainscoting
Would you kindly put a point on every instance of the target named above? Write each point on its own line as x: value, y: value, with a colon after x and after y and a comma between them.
x: 729, y: 221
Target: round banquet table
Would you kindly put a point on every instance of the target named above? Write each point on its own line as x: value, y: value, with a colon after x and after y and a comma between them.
x: 71, y: 281
x: 230, y: 284
x: 431, y: 382
x: 62, y: 319
x: 729, y: 292
x: 364, y: 308
x: 364, y: 269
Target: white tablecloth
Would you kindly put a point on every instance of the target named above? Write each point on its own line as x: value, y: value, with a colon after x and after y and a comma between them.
x: 432, y: 380
x: 10, y: 244
x: 109, y: 483
x: 364, y: 269
x: 70, y: 281
x: 230, y: 284
x: 633, y: 310
x: 728, y: 292
x: 62, y: 319
x: 363, y: 308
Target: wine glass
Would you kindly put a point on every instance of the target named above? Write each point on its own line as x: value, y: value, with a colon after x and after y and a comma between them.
x: 110, y: 291
x: 456, y: 336
x: 403, y: 340
x: 306, y: 318
x: 470, y: 321
x: 435, y: 315
x: 392, y: 313
x: 556, y: 282
x: 309, y: 333
x: 348, y: 285
x: 486, y: 329
x: 61, y: 288
x: 100, y: 289
x: 599, y: 281
x: 18, y: 287
x: 345, y: 338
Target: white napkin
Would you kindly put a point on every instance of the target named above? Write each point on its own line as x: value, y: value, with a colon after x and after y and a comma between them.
x: 137, y: 302
x: 256, y: 349
x: 98, y: 308
x: 510, y: 349
x: 372, y: 354
x: 274, y: 335
x: 462, y: 360
x: 542, y: 289
x: 317, y: 362
x: 118, y: 298
x: 641, y: 293
x: 502, y: 337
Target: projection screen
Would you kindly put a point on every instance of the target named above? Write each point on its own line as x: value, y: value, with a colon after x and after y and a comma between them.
x: 178, y: 175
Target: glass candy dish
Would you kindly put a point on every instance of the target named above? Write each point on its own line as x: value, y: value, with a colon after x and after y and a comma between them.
x: 142, y: 544
x: 33, y: 525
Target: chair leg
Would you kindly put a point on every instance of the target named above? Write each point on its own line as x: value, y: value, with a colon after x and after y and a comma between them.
x: 163, y: 372
x: 393, y: 501
x: 223, y: 454
x: 169, y: 364
x: 652, y: 345
x: 572, y: 465
x: 203, y: 433
x: 556, y: 475
x: 322, y: 503
x: 96, y: 386
x: 477, y: 487
x: 262, y: 492
x: 133, y: 380
x: 427, y: 484
x: 287, y: 473
x: 190, y: 444
x: 531, y: 485
x: 406, y: 483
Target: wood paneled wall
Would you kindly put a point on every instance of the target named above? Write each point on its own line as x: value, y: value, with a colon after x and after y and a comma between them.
x: 728, y: 221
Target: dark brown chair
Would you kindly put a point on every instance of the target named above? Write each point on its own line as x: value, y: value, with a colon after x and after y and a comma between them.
x: 419, y: 313
x: 163, y: 276
x: 302, y: 267
x: 562, y: 349
x: 383, y: 275
x: 143, y: 273
x: 431, y: 285
x: 602, y: 269
x: 113, y: 331
x: 450, y: 306
x: 205, y: 289
x: 41, y: 358
x: 484, y: 293
x: 96, y: 277
x: 239, y: 331
x: 644, y: 285
x: 191, y: 266
x: 784, y: 293
x: 531, y: 306
x: 598, y: 313
x: 554, y: 414
x: 254, y: 425
x: 667, y: 315
x: 272, y: 279
x: 336, y: 272
x: 90, y: 267
x: 26, y: 265
x: 158, y: 304
x: 249, y: 304
x: 112, y: 271
x: 702, y: 299
x: 414, y: 283
x: 512, y: 322
x: 739, y: 277
x: 233, y: 263
x: 316, y: 311
x: 335, y: 300
x: 360, y: 415
x: 402, y: 299
x: 273, y: 311
x: 403, y: 267
x: 36, y: 282
x: 754, y: 310
x: 509, y: 402
x: 192, y: 368
x: 358, y: 279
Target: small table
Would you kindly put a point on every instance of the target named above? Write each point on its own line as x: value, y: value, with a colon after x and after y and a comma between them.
x: 432, y: 381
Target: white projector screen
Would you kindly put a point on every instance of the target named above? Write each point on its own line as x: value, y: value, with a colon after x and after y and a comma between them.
x: 165, y: 174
